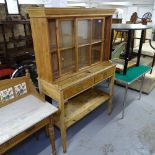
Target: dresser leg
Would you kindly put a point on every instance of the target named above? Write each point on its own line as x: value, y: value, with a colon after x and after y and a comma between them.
x: 111, y: 89
x: 109, y: 106
x: 52, y: 137
x: 63, y: 137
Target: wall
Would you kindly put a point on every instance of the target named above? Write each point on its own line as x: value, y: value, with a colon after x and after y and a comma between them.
x: 27, y: 1
x: 128, y: 11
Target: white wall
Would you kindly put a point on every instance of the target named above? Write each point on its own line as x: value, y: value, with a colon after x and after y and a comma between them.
x: 128, y: 11
x: 27, y: 1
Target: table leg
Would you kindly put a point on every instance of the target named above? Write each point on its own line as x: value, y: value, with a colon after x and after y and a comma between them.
x: 141, y: 87
x: 52, y: 136
x: 124, y: 101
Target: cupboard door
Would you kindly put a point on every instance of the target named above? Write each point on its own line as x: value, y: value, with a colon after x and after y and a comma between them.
x: 83, y: 31
x: 54, y: 58
x: 66, y: 33
x: 96, y: 53
x: 83, y: 56
x: 97, y: 32
x: 67, y: 60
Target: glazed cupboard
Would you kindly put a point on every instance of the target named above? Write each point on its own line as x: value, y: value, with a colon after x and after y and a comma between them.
x: 72, y: 48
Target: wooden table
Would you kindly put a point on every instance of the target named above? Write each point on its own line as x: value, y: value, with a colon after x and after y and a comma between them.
x: 22, y: 113
x: 132, y: 75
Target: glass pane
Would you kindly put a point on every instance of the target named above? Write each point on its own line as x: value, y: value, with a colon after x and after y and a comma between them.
x: 96, y: 52
x: 55, y: 65
x: 67, y: 60
x: 66, y: 33
x: 83, y: 56
x: 97, y: 30
x: 83, y: 31
x: 52, y: 34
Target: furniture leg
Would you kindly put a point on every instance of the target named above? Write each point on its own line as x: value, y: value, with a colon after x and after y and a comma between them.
x: 127, y: 52
x: 141, y: 87
x: 111, y: 87
x: 46, y: 131
x: 52, y: 136
x: 124, y: 101
x: 63, y: 135
x: 153, y: 63
x: 37, y: 136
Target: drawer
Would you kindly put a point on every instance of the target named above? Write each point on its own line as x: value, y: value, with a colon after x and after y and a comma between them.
x: 68, y: 92
x: 103, y: 75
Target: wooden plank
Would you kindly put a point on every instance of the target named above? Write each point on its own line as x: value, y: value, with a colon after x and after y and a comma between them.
x: 50, y: 90
x: 68, y: 12
x: 41, y: 47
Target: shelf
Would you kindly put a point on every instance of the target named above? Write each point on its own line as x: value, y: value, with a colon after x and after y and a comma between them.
x: 79, y: 106
x: 20, y: 38
x: 12, y: 22
x: 13, y: 53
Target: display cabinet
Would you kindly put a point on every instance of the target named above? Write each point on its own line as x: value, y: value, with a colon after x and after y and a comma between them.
x: 72, y: 47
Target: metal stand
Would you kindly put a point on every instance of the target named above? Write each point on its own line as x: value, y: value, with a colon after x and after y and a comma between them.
x: 141, y: 87
x: 124, y: 101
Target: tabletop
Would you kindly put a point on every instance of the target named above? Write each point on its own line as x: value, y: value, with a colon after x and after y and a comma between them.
x: 132, y: 74
x: 21, y: 115
x: 130, y: 27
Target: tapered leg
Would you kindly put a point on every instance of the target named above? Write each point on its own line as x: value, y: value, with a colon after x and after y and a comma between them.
x: 111, y: 89
x: 63, y: 134
x: 52, y: 136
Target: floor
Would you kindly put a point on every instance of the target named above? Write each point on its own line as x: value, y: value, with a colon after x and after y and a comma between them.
x: 101, y: 134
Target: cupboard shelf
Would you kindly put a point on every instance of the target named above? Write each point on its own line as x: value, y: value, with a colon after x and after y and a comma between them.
x: 82, y: 104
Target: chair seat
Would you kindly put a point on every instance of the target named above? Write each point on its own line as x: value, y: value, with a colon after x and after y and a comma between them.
x: 23, y: 114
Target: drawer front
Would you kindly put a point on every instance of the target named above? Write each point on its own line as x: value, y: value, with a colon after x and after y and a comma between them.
x: 78, y: 87
x: 103, y: 75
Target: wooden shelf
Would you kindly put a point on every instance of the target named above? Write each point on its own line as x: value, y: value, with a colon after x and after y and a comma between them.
x: 79, y: 106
